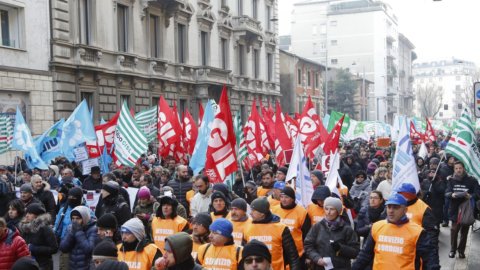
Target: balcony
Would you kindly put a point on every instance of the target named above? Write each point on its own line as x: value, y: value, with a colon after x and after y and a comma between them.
x: 247, y: 28
x: 180, y: 8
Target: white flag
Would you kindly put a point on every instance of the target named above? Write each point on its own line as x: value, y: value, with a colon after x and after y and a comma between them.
x: 333, y: 177
x: 404, y: 167
x: 422, y: 152
x: 298, y: 168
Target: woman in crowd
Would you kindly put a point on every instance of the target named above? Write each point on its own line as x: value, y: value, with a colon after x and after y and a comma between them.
x: 16, y: 211
x: 371, y: 213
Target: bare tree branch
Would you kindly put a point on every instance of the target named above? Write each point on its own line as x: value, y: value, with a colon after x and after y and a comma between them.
x: 430, y: 99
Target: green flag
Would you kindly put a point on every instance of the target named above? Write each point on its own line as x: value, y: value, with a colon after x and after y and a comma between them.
x: 6, y: 134
x: 334, y: 118
x: 147, y: 121
x: 462, y: 145
x: 241, y: 146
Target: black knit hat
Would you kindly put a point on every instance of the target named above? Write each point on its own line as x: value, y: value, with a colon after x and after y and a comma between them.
x: 240, y: 203
x: 36, y: 209
x: 261, y: 205
x: 107, y: 221
x: 25, y: 263
x: 106, y: 249
x: 284, y: 170
x: 111, y: 187
x: 218, y: 195
x: 321, y: 193
x: 76, y: 192
x: 110, y: 264
x: 288, y: 191
x: 256, y: 248
x: 203, y: 219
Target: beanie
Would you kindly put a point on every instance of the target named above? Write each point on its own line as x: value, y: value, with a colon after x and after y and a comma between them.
x: 135, y: 227
x: 28, y: 171
x: 110, y: 264
x: 371, y: 167
x: 288, y: 191
x: 318, y: 174
x: 222, y: 188
x: 256, y: 248
x: 218, y: 195
x: 107, y: 221
x: 261, y: 205
x: 240, y: 203
x: 333, y: 202
x: 36, y: 209
x: 25, y: 263
x: 95, y: 169
x: 26, y: 188
x: 144, y: 193
x: 106, y: 249
x: 76, y: 192
x: 321, y: 193
x: 203, y: 219
x: 283, y: 170
x: 222, y: 226
x: 112, y: 188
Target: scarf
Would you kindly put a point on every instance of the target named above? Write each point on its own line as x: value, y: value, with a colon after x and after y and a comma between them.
x: 335, y: 224
x: 375, y: 213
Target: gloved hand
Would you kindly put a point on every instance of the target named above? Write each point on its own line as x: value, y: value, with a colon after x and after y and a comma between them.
x: 335, y: 245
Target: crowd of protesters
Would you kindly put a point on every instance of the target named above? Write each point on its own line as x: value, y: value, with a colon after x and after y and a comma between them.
x: 179, y: 220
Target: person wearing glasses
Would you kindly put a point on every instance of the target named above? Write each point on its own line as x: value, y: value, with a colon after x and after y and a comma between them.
x: 371, y: 213
x: 255, y: 256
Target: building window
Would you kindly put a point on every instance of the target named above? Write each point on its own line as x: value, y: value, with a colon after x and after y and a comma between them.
x: 459, y: 106
x: 440, y: 114
x: 243, y: 113
x: 333, y: 23
x: 88, y: 96
x: 445, y: 107
x: 224, y: 52
x: 317, y: 80
x: 181, y: 43
x: 84, y: 22
x: 127, y: 99
x: 241, y: 60
x: 204, y: 47
x: 333, y: 42
x: 309, y: 78
x: 269, y: 67
x: 10, y: 27
x: 334, y: 61
x: 240, y: 7
x: 255, y: 9
x: 122, y: 25
x: 182, y: 106
x: 299, y: 76
x: 269, y: 18
x: 256, y: 63
x: 155, y: 101
x: 322, y: 45
x: 154, y: 36
x: 314, y: 48
x: 458, y: 87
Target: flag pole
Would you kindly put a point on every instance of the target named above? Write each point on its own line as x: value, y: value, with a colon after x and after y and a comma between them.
x: 441, y: 159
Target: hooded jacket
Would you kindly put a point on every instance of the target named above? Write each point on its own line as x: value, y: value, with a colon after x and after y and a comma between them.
x: 39, y: 236
x: 80, y: 243
x: 12, y: 247
x: 116, y: 205
x: 360, y: 193
x: 181, y: 245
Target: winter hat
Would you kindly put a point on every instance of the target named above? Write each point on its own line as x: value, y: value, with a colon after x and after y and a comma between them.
x: 76, y: 192
x: 376, y: 161
x: 255, y: 248
x: 36, y: 209
x: 168, y: 200
x: 135, y: 227
x: 28, y: 171
x: 107, y: 221
x: 318, y: 174
x: 222, y: 226
x: 261, y: 205
x: 26, y: 188
x: 361, y: 173
x: 434, y: 160
x: 334, y: 202
x: 240, y: 203
x: 279, y: 185
x: 110, y: 264
x: 181, y: 245
x: 371, y: 167
x: 203, y: 219
x: 83, y: 212
x: 112, y: 188
x: 55, y: 169
x: 105, y: 250
x: 25, y: 263
x: 144, y: 193
x: 321, y: 193
x: 222, y: 188
x: 218, y: 195
x: 284, y: 170
x: 288, y: 191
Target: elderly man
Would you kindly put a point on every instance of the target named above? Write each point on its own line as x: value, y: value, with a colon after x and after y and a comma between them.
x: 26, y: 195
x: 239, y: 219
x: 44, y: 196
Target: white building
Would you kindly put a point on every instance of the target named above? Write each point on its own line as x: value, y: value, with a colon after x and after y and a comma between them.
x: 360, y: 35
x: 25, y: 80
x: 451, y: 81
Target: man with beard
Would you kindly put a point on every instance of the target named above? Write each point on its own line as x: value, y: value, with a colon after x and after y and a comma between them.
x: 200, y: 231
x: 94, y: 180
x: 181, y: 185
x: 136, y: 175
x: 239, y: 219
x: 267, y: 183
x: 44, y: 196
x: 26, y: 195
x: 201, y: 201
x: 113, y: 203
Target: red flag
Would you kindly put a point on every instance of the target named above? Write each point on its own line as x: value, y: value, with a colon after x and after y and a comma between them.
x: 269, y: 129
x: 283, y: 140
x: 190, y: 132
x: 200, y: 113
x: 310, y: 131
x: 415, y: 136
x: 252, y: 134
x: 331, y: 144
x: 105, y: 133
x: 177, y: 149
x: 169, y: 129
x: 221, y: 158
x: 430, y: 133
x: 292, y: 125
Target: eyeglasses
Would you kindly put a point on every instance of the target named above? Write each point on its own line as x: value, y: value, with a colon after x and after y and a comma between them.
x: 374, y: 198
x: 250, y: 260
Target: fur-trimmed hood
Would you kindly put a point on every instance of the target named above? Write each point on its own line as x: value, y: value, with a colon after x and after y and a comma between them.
x: 35, y: 225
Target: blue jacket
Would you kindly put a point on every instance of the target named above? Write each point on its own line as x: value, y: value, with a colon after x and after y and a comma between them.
x: 66, y: 221
x: 80, y: 245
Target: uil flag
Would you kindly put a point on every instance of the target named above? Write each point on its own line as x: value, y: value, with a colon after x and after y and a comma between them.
x: 48, y: 144
x: 298, y: 169
x: 221, y: 158
x: 147, y: 121
x: 462, y: 145
x: 199, y: 156
x: 283, y: 140
x: 253, y: 137
x: 333, y: 139
x: 404, y: 167
x: 190, y: 132
x: 22, y: 140
x: 6, y: 134
x: 430, y: 133
x: 77, y: 129
x: 130, y: 141
x: 169, y: 128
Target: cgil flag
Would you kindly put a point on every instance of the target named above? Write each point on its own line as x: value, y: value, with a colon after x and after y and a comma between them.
x: 147, y: 121
x: 462, y: 145
x: 190, y: 132
x: 404, y: 166
x: 283, y: 140
x: 298, y: 169
x: 6, y: 134
x: 130, y: 142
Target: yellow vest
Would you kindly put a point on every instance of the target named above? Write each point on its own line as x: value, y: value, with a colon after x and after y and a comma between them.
x: 138, y: 260
x: 273, y: 202
x: 223, y: 257
x: 261, y: 191
x: 416, y: 211
x: 161, y: 228
x: 395, y: 246
x: 238, y: 230
x: 214, y: 217
x: 315, y: 213
x: 293, y: 219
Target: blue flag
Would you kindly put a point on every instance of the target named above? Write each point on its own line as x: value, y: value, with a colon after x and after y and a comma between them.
x: 48, y: 144
x: 199, y: 156
x: 22, y: 140
x: 76, y: 130
x: 105, y: 161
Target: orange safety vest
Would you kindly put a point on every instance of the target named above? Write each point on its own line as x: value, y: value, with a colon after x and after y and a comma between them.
x: 189, y: 196
x: 293, y: 219
x: 221, y: 257
x: 273, y: 202
x: 195, y: 249
x: 271, y: 235
x: 138, y: 260
x: 261, y: 191
x: 416, y: 211
x: 315, y: 212
x: 239, y: 229
x: 214, y: 217
x: 395, y: 246
x: 161, y: 228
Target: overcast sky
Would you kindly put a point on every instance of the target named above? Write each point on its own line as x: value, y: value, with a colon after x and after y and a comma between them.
x: 438, y: 29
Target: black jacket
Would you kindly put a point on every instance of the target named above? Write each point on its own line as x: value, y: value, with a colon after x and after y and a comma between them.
x: 92, y: 184
x: 114, y: 205
x: 459, y: 185
x: 434, y: 196
x: 318, y: 244
x: 47, y: 199
x: 40, y: 238
x: 180, y: 189
x: 366, y: 217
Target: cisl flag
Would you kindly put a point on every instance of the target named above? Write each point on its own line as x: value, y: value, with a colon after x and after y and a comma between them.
x: 221, y: 158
